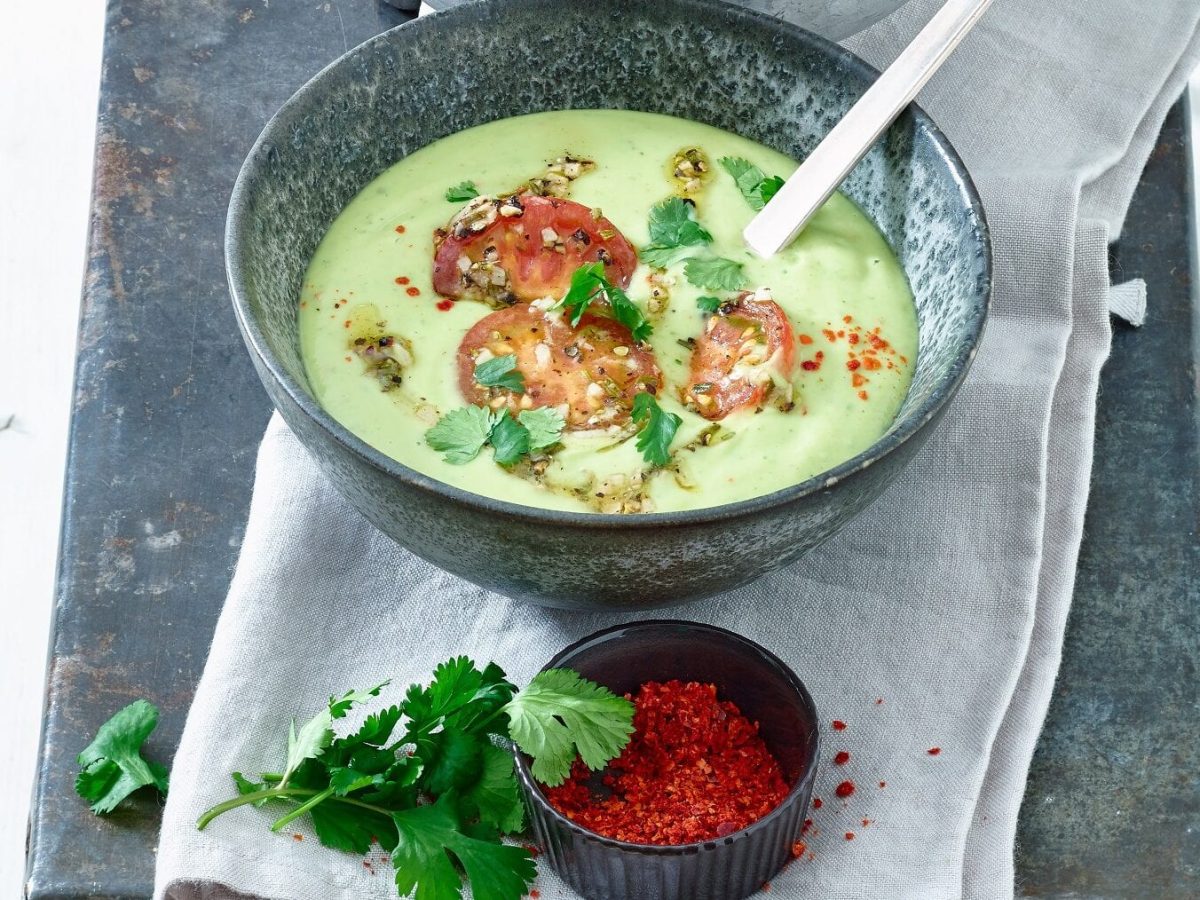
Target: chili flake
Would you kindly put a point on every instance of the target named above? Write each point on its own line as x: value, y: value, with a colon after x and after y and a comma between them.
x: 694, y: 770
x: 841, y: 758
x: 845, y: 789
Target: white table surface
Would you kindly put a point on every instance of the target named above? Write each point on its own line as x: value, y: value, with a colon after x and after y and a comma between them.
x: 49, y: 68
x: 49, y: 81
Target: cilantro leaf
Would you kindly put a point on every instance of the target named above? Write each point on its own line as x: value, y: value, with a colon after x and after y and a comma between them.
x: 709, y: 304
x: 509, y: 438
x: 673, y: 226
x: 769, y: 188
x: 112, y: 766
x: 589, y: 283
x: 559, y: 710
x: 453, y: 759
x: 659, y: 257
x: 460, y: 192
x: 494, y: 797
x: 316, y: 734
x: 545, y: 425
x: 351, y: 828
x: 715, y: 273
x: 427, y: 835
x: 460, y: 695
x: 657, y: 431
x: 756, y: 186
x: 501, y: 371
x: 461, y: 433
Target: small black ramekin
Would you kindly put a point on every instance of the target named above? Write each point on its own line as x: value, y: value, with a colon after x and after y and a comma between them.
x: 766, y: 691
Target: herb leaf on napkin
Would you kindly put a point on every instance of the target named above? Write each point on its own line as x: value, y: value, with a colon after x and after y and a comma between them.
x: 428, y: 780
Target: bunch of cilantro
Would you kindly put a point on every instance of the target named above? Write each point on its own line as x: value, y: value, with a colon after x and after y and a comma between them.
x: 432, y: 778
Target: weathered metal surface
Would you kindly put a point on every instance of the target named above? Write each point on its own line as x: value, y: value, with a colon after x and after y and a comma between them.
x: 168, y: 415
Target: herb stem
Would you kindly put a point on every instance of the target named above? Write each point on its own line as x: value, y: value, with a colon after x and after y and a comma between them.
x: 302, y: 808
x: 284, y: 794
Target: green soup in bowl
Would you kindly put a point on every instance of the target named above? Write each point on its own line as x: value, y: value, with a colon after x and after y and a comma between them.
x: 376, y: 353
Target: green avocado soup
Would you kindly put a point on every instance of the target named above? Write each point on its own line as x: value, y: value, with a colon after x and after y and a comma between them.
x: 382, y: 348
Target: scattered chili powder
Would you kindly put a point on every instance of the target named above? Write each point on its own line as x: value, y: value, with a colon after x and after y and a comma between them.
x: 839, y: 725
x: 842, y: 757
x: 805, y: 339
x: 413, y: 291
x: 883, y: 784
x: 694, y: 770
x: 934, y: 751
x: 297, y: 837
x: 400, y: 229
x: 849, y: 835
x: 444, y: 305
x: 879, y: 701
x: 866, y: 822
x: 862, y: 395
x: 810, y: 365
x: 845, y: 789
x: 401, y: 279
x: 535, y: 893
x: 852, y: 364
x: 817, y: 803
x: 798, y: 849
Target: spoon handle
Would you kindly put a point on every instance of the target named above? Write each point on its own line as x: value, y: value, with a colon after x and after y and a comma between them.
x: 848, y: 142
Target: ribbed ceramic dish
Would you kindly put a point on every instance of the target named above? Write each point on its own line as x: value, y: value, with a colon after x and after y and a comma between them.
x: 764, y: 689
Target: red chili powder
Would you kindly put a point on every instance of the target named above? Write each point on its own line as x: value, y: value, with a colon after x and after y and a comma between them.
x: 849, y: 835
x: 445, y: 305
x: 400, y: 229
x: 839, y: 725
x: 401, y: 279
x: 694, y: 770
x: 845, y: 789
x: 412, y: 291
x: 817, y: 803
x: 934, y: 751
x: 842, y: 757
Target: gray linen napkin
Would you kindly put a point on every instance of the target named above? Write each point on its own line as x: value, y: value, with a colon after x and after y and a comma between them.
x: 934, y: 620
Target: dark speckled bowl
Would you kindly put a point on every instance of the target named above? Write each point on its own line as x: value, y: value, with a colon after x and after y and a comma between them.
x: 699, y: 59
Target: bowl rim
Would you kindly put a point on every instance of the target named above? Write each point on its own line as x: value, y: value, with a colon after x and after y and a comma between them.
x: 805, y: 779
x: 901, y: 433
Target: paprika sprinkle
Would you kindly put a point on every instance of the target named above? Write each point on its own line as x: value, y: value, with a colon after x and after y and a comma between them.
x: 694, y: 770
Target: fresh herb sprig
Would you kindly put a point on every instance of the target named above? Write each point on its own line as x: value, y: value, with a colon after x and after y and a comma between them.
x: 657, y: 429
x: 460, y: 193
x: 427, y: 780
x: 756, y: 186
x: 462, y: 433
x: 588, y: 283
x: 673, y: 226
x: 709, y: 304
x: 112, y: 766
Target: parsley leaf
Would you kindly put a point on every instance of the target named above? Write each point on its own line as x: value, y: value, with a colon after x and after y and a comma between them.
x: 589, y: 283
x: 462, y: 192
x: 426, y: 835
x: 658, y: 429
x: 715, y: 273
x: 709, y: 304
x: 558, y: 711
x: 510, y: 439
x: 112, y: 766
x: 461, y: 433
x: 673, y: 225
x: 501, y: 372
x: 545, y: 425
x: 494, y: 797
x: 317, y: 733
x: 756, y: 186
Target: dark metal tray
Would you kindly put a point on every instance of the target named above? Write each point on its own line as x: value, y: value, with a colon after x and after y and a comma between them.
x: 168, y: 415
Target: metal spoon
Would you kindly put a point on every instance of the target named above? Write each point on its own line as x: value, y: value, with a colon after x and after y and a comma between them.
x: 829, y: 164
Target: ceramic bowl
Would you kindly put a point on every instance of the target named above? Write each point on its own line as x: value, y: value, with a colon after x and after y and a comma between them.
x: 744, y: 72
x: 764, y: 689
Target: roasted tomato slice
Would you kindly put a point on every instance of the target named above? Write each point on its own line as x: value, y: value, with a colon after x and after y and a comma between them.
x: 591, y: 372
x: 744, y: 347
x: 525, y: 247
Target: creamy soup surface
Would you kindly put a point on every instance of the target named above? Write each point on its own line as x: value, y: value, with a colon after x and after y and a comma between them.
x: 777, y: 369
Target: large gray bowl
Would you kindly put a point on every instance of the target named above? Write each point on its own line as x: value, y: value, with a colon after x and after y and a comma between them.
x: 699, y: 59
